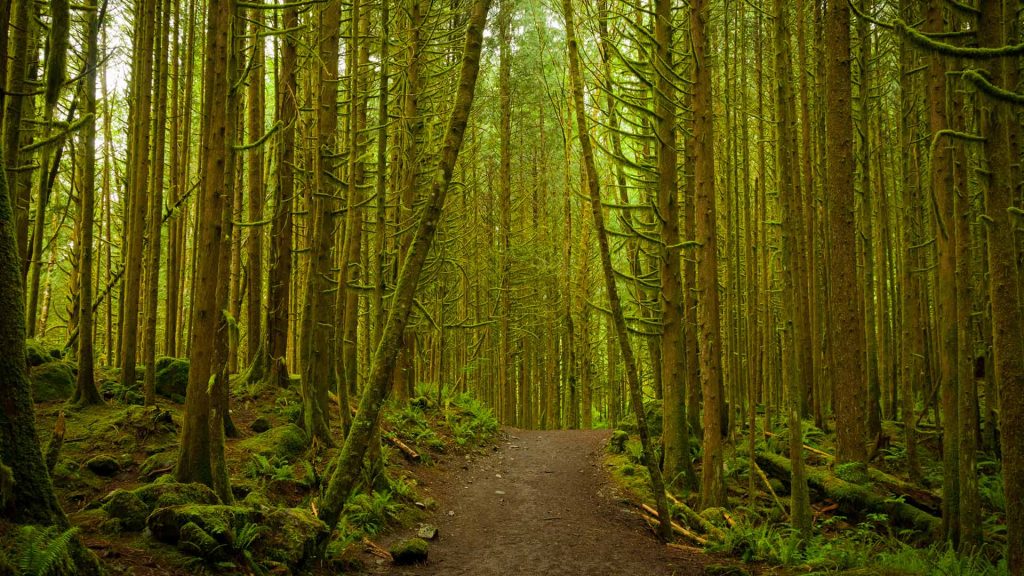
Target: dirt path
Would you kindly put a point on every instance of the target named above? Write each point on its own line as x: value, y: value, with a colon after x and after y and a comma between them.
x: 541, y: 504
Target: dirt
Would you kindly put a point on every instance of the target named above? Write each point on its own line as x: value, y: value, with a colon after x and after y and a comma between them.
x: 541, y: 503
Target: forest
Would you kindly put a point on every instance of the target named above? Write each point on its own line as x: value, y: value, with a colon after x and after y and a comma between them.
x: 274, y: 273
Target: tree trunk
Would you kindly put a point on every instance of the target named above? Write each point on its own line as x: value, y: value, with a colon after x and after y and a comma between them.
x: 349, y: 461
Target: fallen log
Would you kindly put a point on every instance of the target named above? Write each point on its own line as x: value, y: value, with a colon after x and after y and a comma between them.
x: 652, y: 517
x: 854, y: 499
x: 696, y: 519
x: 924, y: 499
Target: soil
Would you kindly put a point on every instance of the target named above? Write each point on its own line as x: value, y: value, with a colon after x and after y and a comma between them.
x: 540, y: 503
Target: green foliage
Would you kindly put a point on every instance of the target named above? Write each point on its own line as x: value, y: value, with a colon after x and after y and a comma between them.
x: 410, y: 422
x: 44, y: 551
x: 469, y: 419
x: 273, y: 468
x: 371, y: 513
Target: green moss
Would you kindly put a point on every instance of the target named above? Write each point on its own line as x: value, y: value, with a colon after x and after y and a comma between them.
x: 128, y: 508
x: 37, y: 354
x: 193, y: 540
x: 172, y: 378
x: 163, y: 494
x: 284, y: 442
x: 617, y: 443
x: 216, y: 520
x: 411, y: 551
x: 291, y: 535
x: 163, y: 461
x: 53, y: 381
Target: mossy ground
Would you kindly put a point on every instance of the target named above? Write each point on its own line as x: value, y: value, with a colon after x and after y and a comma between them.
x: 758, y: 538
x: 269, y: 472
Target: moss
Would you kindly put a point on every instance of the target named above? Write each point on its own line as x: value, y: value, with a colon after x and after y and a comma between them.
x: 411, y: 551
x: 103, y: 465
x: 216, y: 520
x: 160, y: 462
x: 163, y: 494
x: 172, y: 378
x: 653, y: 414
x: 284, y: 442
x: 37, y: 354
x: 128, y: 508
x: 195, y: 541
x: 617, y: 443
x: 291, y: 536
x: 53, y: 381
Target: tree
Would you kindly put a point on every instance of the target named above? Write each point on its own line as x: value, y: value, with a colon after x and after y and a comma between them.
x: 201, y: 456
x: 846, y: 323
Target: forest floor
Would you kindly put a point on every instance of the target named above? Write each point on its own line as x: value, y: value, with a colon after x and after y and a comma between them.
x: 541, y: 503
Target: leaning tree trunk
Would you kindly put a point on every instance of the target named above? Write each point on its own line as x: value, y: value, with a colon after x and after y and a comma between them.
x: 594, y: 187
x: 349, y: 462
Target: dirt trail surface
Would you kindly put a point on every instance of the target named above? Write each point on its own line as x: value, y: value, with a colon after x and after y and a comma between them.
x: 542, y: 504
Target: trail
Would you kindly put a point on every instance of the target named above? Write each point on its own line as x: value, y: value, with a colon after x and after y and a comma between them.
x: 541, y: 504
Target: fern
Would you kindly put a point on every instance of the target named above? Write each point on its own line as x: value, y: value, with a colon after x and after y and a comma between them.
x: 45, y: 551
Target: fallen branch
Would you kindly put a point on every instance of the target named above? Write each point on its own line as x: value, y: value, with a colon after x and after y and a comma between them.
x: 696, y: 519
x: 771, y: 490
x: 652, y: 516
x: 376, y: 550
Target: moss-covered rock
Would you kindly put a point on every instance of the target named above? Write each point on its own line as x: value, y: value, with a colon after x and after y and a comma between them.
x: 260, y: 425
x: 128, y: 508
x: 411, y: 551
x: 103, y: 465
x: 37, y: 354
x: 158, y: 463
x: 53, y: 381
x: 291, y: 535
x: 195, y: 541
x: 617, y: 443
x: 163, y: 494
x: 284, y: 442
x: 217, y: 520
x: 172, y: 378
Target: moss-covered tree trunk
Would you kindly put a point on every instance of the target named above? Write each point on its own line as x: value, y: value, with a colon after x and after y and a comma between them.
x: 350, y: 460
x: 625, y: 347
x: 201, y: 455
x: 1002, y: 149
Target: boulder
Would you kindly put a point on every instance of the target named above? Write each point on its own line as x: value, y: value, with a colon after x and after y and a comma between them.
x: 172, y: 377
x: 260, y: 425
x: 410, y: 551
x: 217, y: 520
x: 128, y: 508
x: 195, y: 541
x: 617, y: 443
x: 285, y: 442
x: 160, y: 495
x: 52, y: 381
x: 36, y: 354
x: 291, y: 535
x: 103, y: 465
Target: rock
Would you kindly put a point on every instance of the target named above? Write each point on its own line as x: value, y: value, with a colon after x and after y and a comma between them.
x: 128, y: 508
x: 427, y: 532
x: 217, y: 520
x: 158, y: 463
x: 411, y: 551
x: 617, y: 443
x: 53, y: 381
x: 163, y: 494
x: 291, y: 536
x: 37, y: 354
x: 103, y: 465
x: 285, y: 442
x: 172, y: 377
x: 259, y: 425
x: 195, y: 541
